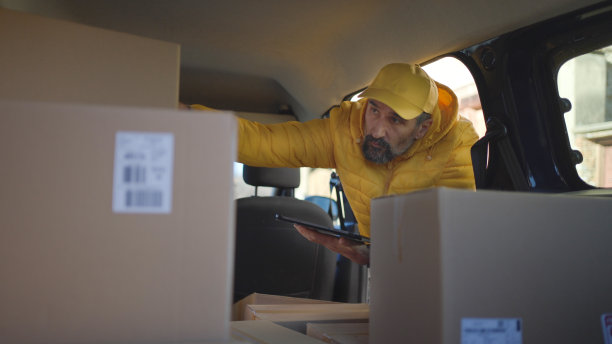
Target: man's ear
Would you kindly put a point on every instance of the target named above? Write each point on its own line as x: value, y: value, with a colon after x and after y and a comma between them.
x: 422, y: 129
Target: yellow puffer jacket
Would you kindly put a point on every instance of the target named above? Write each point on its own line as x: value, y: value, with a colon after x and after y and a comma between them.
x: 441, y: 158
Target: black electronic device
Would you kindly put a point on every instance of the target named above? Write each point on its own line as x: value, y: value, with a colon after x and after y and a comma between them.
x: 325, y: 230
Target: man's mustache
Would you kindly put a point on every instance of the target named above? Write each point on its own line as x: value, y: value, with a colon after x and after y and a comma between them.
x: 369, y: 139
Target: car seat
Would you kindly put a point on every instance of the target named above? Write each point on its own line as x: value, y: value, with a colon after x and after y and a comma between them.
x: 271, y: 256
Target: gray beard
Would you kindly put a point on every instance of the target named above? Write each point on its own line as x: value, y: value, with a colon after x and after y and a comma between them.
x: 374, y: 154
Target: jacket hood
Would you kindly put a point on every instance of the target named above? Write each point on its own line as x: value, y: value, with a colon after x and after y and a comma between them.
x: 444, y: 117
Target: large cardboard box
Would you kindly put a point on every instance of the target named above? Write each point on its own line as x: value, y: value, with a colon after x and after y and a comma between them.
x: 44, y: 59
x: 451, y: 266
x: 116, y: 224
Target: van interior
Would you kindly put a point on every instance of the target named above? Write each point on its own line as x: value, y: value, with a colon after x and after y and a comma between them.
x: 535, y: 78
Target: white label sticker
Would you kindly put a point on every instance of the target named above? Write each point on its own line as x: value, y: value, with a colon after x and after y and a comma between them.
x: 606, y: 323
x: 142, y: 180
x: 491, y: 331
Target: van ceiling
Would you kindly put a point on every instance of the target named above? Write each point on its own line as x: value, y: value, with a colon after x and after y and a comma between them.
x: 263, y: 55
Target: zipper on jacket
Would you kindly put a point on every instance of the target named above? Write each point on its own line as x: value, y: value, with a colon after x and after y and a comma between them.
x: 388, y: 178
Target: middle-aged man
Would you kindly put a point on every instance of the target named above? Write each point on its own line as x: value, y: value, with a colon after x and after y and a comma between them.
x: 404, y: 135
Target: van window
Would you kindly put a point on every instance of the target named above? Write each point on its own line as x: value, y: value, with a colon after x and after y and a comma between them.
x: 586, y: 81
x: 454, y: 74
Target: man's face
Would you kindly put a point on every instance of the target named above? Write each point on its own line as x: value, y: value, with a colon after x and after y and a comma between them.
x: 387, y: 134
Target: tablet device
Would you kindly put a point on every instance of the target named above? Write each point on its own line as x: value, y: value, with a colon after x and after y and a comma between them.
x: 325, y: 230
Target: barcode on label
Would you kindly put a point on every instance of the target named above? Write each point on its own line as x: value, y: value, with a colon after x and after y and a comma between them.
x: 143, y: 198
x: 134, y: 174
x: 142, y: 174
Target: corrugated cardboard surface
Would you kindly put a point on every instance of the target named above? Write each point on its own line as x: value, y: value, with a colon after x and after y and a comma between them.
x: 441, y: 255
x: 307, y: 312
x: 72, y: 270
x: 296, y: 316
x: 267, y: 332
x: 340, y: 333
x: 44, y: 59
x: 240, y: 311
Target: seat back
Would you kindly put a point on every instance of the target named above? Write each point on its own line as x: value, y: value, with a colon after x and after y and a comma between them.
x: 271, y: 256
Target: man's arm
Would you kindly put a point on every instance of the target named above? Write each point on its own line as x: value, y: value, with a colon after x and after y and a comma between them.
x: 288, y: 144
x: 358, y: 253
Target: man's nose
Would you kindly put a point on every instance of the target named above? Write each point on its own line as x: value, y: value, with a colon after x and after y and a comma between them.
x: 379, y: 130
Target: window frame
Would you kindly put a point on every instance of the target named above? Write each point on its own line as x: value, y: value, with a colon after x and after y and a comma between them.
x: 516, y: 77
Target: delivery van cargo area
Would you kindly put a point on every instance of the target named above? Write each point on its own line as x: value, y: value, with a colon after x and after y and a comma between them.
x: 125, y: 217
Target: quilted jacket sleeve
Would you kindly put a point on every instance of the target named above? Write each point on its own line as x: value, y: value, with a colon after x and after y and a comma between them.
x: 290, y: 144
x: 458, y: 172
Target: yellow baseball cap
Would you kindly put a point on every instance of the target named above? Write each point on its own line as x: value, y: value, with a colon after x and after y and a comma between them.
x: 405, y: 88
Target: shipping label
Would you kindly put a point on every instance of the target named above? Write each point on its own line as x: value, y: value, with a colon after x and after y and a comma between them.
x: 143, y: 171
x: 491, y: 331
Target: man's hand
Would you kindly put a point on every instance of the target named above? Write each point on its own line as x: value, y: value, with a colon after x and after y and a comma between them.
x: 352, y: 250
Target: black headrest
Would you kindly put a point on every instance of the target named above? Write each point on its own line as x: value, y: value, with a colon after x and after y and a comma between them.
x: 274, y: 177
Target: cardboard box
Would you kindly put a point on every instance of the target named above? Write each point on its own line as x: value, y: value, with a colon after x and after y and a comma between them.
x: 267, y: 332
x: 52, y: 60
x: 296, y: 316
x: 444, y: 263
x: 340, y: 333
x: 77, y: 264
x: 241, y: 312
